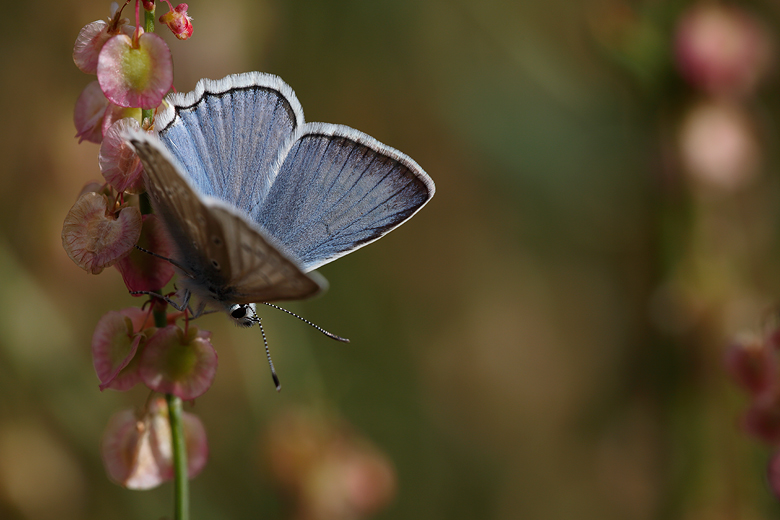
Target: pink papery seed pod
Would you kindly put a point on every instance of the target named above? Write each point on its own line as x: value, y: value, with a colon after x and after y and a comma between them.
x: 137, y: 452
x: 114, y: 113
x: 135, y: 72
x: 142, y: 271
x: 94, y: 238
x: 89, y: 113
x: 93, y: 36
x: 115, y: 344
x: 119, y: 163
x: 177, y: 363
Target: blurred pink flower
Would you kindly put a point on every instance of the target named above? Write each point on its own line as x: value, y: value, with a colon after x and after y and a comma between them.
x: 94, y: 238
x: 752, y: 364
x: 718, y: 145
x: 330, y: 472
x: 722, y: 50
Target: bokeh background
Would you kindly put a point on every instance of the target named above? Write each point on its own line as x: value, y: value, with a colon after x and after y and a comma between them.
x: 545, y: 340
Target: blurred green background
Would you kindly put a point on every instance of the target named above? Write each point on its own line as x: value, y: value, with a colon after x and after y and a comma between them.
x: 543, y: 341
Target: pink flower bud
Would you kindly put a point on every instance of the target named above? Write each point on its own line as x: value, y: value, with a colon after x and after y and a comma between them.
x: 178, y: 21
x: 94, y: 238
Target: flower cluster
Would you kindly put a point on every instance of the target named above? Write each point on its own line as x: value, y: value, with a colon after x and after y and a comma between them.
x: 134, y: 72
x: 754, y: 364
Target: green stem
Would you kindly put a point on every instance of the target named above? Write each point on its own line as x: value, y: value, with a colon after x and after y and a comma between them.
x: 181, y: 482
x: 148, y: 113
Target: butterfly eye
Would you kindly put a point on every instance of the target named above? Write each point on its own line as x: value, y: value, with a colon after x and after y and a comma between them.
x: 238, y: 312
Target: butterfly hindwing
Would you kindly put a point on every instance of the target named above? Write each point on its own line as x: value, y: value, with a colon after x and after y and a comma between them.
x: 337, y: 190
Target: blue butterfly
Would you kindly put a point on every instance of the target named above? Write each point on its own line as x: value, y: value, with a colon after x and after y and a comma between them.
x: 255, y: 199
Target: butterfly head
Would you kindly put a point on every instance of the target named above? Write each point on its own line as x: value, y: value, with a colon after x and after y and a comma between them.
x: 243, y: 314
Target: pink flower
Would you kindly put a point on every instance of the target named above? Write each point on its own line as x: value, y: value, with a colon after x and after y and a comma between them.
x: 178, y: 21
x: 135, y: 73
x: 94, y: 238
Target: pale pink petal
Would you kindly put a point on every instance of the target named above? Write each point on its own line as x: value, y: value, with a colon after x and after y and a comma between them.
x: 135, y: 77
x: 93, y: 238
x: 119, y: 163
x: 174, y: 364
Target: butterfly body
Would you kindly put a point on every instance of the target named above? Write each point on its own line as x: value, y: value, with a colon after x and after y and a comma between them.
x: 255, y: 199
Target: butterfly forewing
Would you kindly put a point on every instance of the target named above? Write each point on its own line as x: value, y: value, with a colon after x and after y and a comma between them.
x: 227, y: 134
x: 337, y: 190
x: 227, y: 259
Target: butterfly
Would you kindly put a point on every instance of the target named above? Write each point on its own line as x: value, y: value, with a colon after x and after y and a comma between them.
x: 255, y: 199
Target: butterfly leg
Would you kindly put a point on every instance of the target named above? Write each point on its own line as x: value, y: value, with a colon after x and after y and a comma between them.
x: 181, y: 307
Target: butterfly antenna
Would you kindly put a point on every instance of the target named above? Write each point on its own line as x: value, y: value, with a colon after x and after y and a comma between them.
x: 329, y: 334
x: 161, y: 257
x: 268, y: 354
